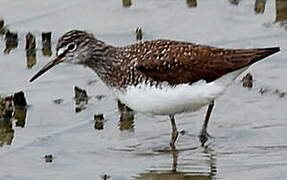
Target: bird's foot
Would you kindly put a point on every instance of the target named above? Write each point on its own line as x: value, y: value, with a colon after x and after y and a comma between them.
x: 203, y: 137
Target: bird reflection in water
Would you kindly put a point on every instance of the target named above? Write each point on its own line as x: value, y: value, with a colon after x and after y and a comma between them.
x: 196, y: 174
x: 127, y: 116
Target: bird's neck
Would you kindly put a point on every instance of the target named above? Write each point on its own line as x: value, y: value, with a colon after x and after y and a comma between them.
x: 101, y: 61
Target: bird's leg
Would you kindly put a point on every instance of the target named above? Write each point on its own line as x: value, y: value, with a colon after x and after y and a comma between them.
x: 203, y: 136
x: 174, y: 133
x: 174, y: 152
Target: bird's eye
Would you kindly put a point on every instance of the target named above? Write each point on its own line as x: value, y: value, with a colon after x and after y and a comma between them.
x: 72, y: 47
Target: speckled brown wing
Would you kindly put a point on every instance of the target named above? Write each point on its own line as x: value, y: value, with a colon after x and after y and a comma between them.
x: 182, y: 62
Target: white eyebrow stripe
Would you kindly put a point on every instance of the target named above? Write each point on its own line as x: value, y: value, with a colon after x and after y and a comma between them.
x: 61, y: 51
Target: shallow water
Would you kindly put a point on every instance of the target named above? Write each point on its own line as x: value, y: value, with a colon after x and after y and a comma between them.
x: 249, y: 127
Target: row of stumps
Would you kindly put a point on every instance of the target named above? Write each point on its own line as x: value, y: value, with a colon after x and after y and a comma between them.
x: 31, y: 47
x: 128, y: 3
x: 12, y: 39
x: 126, y: 114
x: 259, y: 6
x: 81, y: 99
x: 46, y: 43
x: 14, y: 108
x: 126, y: 117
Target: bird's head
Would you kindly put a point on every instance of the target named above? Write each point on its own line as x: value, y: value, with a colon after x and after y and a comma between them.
x: 72, y: 47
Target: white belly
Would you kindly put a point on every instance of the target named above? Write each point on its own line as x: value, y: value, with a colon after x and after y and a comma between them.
x: 173, y: 100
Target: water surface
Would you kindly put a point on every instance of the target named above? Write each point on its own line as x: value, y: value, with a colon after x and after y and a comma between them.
x: 248, y: 125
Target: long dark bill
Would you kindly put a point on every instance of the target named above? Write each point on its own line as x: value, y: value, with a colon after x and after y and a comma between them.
x: 48, y: 66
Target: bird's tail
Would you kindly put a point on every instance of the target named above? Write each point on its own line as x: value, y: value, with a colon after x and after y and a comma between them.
x: 242, y: 59
x: 264, y: 52
x: 253, y: 55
